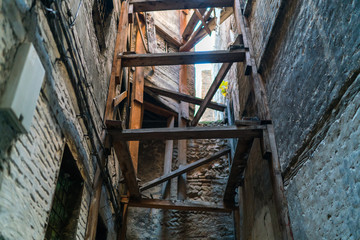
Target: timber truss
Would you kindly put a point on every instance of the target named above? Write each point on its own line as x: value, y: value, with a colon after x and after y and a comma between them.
x: 125, y: 105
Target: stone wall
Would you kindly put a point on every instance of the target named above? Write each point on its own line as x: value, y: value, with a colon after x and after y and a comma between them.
x: 205, y: 183
x: 29, y: 163
x: 309, y: 57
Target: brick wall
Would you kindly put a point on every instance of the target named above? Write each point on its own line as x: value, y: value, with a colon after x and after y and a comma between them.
x: 29, y: 163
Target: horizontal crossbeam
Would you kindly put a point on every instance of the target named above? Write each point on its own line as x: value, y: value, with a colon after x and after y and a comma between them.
x: 185, y: 98
x: 184, y: 169
x: 179, y: 205
x: 182, y: 58
x: 244, y: 132
x: 160, y: 5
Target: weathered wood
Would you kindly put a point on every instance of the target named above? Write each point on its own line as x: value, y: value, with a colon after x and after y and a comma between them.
x: 159, y: 5
x: 252, y: 122
x: 180, y: 205
x: 183, y: 169
x: 122, y: 235
x: 169, y: 145
x: 118, y: 99
x: 211, y: 92
x: 236, y: 169
x: 182, y: 58
x: 94, y: 207
x: 201, y: 34
x: 167, y: 36
x: 278, y: 187
x: 159, y: 110
x: 141, y: 32
x: 203, y: 21
x: 185, y: 98
x: 191, y: 24
x: 126, y: 165
x: 245, y: 133
x: 120, y: 46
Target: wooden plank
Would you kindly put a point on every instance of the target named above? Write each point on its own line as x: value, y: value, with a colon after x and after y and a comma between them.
x: 122, y: 235
x: 278, y: 187
x: 245, y: 132
x: 191, y: 24
x: 203, y: 21
x: 160, y: 5
x: 118, y: 99
x: 164, y: 33
x: 211, y: 92
x: 126, y: 165
x: 182, y: 58
x: 120, y: 46
x: 185, y: 98
x: 183, y: 169
x: 180, y: 205
x: 169, y: 145
x: 159, y: 110
x: 236, y: 169
x: 201, y: 34
x: 141, y: 32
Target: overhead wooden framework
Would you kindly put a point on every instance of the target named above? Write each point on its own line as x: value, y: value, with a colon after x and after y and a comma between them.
x: 182, y: 58
x: 125, y: 141
x: 160, y: 5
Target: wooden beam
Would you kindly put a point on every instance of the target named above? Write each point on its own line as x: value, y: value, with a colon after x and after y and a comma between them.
x: 169, y: 145
x: 159, y: 110
x: 185, y: 98
x: 126, y: 165
x: 211, y: 92
x: 164, y: 33
x: 245, y: 132
x: 201, y: 34
x: 183, y: 169
x: 203, y: 21
x: 180, y: 205
x: 120, y: 47
x: 236, y: 169
x: 182, y: 58
x: 118, y: 99
x: 192, y: 24
x: 160, y: 5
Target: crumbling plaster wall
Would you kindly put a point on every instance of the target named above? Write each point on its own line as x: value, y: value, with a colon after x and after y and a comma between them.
x: 310, y: 62
x: 206, y: 183
x: 29, y: 163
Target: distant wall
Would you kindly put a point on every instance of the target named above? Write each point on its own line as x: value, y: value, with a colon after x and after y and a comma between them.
x: 206, y: 183
x: 308, y: 54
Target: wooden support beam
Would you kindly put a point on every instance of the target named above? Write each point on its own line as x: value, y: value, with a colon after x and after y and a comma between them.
x: 164, y: 33
x: 185, y: 98
x: 201, y: 34
x: 211, y: 92
x: 126, y: 165
x: 182, y: 58
x: 120, y: 47
x: 236, y: 169
x: 160, y: 5
x: 203, y: 21
x: 191, y: 24
x: 245, y: 133
x: 159, y: 110
x: 180, y: 205
x: 141, y: 32
x: 118, y: 99
x: 169, y: 145
x: 183, y: 169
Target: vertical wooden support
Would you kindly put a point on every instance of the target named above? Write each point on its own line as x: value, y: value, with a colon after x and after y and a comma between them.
x: 169, y: 145
x: 183, y: 115
x: 122, y: 235
x: 94, y: 207
x: 136, y: 113
x: 269, y: 136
